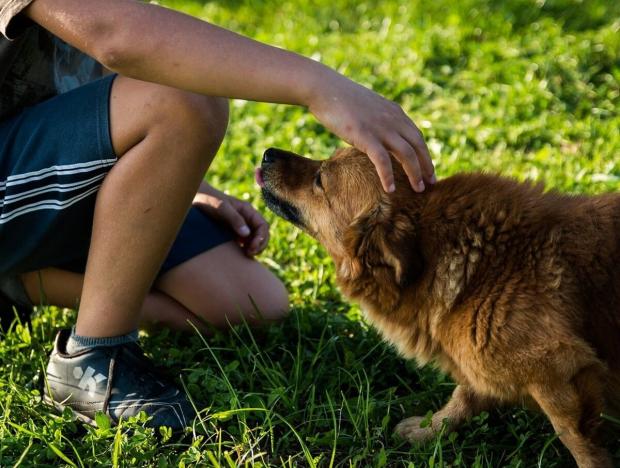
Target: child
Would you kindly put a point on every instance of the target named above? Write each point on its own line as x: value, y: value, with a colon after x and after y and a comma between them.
x: 97, y: 175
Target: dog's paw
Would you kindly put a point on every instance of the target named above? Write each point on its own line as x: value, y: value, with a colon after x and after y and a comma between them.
x: 410, y: 429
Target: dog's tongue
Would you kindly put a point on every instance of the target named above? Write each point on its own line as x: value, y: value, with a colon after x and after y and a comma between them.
x: 258, y: 175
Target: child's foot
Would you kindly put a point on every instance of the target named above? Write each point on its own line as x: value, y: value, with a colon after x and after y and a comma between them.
x: 116, y: 380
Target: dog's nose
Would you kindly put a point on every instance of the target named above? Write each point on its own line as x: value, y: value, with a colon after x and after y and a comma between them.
x: 271, y: 154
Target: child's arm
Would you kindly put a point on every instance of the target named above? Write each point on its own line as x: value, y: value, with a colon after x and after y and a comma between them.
x: 155, y: 44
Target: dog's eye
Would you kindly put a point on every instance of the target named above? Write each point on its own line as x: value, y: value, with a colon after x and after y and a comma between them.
x: 317, y: 180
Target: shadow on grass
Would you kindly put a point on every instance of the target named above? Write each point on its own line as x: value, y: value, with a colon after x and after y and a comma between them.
x: 318, y: 389
x: 321, y: 387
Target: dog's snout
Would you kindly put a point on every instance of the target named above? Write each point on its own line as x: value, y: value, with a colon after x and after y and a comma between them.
x: 272, y: 154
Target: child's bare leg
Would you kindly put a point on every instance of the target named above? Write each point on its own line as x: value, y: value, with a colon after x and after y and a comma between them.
x: 222, y: 285
x: 165, y: 140
x: 463, y: 404
x: 213, y: 287
x: 62, y: 288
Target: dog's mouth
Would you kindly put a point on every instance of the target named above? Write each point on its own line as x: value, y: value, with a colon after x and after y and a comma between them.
x: 279, y: 206
x: 258, y: 176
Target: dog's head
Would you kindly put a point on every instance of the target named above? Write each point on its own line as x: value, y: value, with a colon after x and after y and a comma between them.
x: 341, y: 203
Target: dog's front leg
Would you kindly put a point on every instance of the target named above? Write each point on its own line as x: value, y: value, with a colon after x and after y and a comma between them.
x: 463, y: 404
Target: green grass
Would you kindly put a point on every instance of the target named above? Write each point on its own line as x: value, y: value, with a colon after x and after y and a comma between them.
x: 526, y: 88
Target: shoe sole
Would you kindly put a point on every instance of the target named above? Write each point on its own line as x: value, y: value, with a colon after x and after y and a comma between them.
x: 177, y: 434
x: 60, y: 409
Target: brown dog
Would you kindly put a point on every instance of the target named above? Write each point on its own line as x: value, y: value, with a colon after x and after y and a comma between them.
x: 513, y: 292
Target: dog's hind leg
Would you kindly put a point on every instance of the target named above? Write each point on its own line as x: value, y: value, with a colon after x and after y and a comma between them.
x: 574, y: 409
x: 463, y: 404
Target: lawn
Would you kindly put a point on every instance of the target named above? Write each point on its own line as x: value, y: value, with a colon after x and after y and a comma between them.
x: 525, y: 88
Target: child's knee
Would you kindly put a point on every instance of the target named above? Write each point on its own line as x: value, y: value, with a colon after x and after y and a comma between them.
x: 271, y: 299
x: 138, y: 108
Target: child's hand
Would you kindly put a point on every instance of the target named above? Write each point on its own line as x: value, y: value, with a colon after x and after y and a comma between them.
x: 242, y: 217
x: 375, y: 126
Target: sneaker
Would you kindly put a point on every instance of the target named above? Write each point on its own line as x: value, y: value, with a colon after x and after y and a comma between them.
x: 119, y: 381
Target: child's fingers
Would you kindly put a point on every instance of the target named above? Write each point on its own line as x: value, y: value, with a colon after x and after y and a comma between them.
x: 254, y: 219
x: 229, y: 214
x: 259, y: 240
x: 258, y: 225
x: 413, y: 135
x: 409, y: 159
x: 381, y: 159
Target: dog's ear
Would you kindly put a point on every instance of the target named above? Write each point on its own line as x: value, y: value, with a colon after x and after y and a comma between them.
x: 383, y: 243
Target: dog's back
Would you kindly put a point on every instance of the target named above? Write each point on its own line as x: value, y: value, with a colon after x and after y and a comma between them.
x: 591, y: 251
x: 594, y: 247
x: 535, y: 278
x: 576, y: 238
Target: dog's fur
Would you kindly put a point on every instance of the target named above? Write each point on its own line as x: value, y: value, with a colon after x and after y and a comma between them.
x: 512, y: 291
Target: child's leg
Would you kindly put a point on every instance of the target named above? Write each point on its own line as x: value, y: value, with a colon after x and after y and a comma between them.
x: 165, y: 140
x: 214, y: 287
x: 220, y: 286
